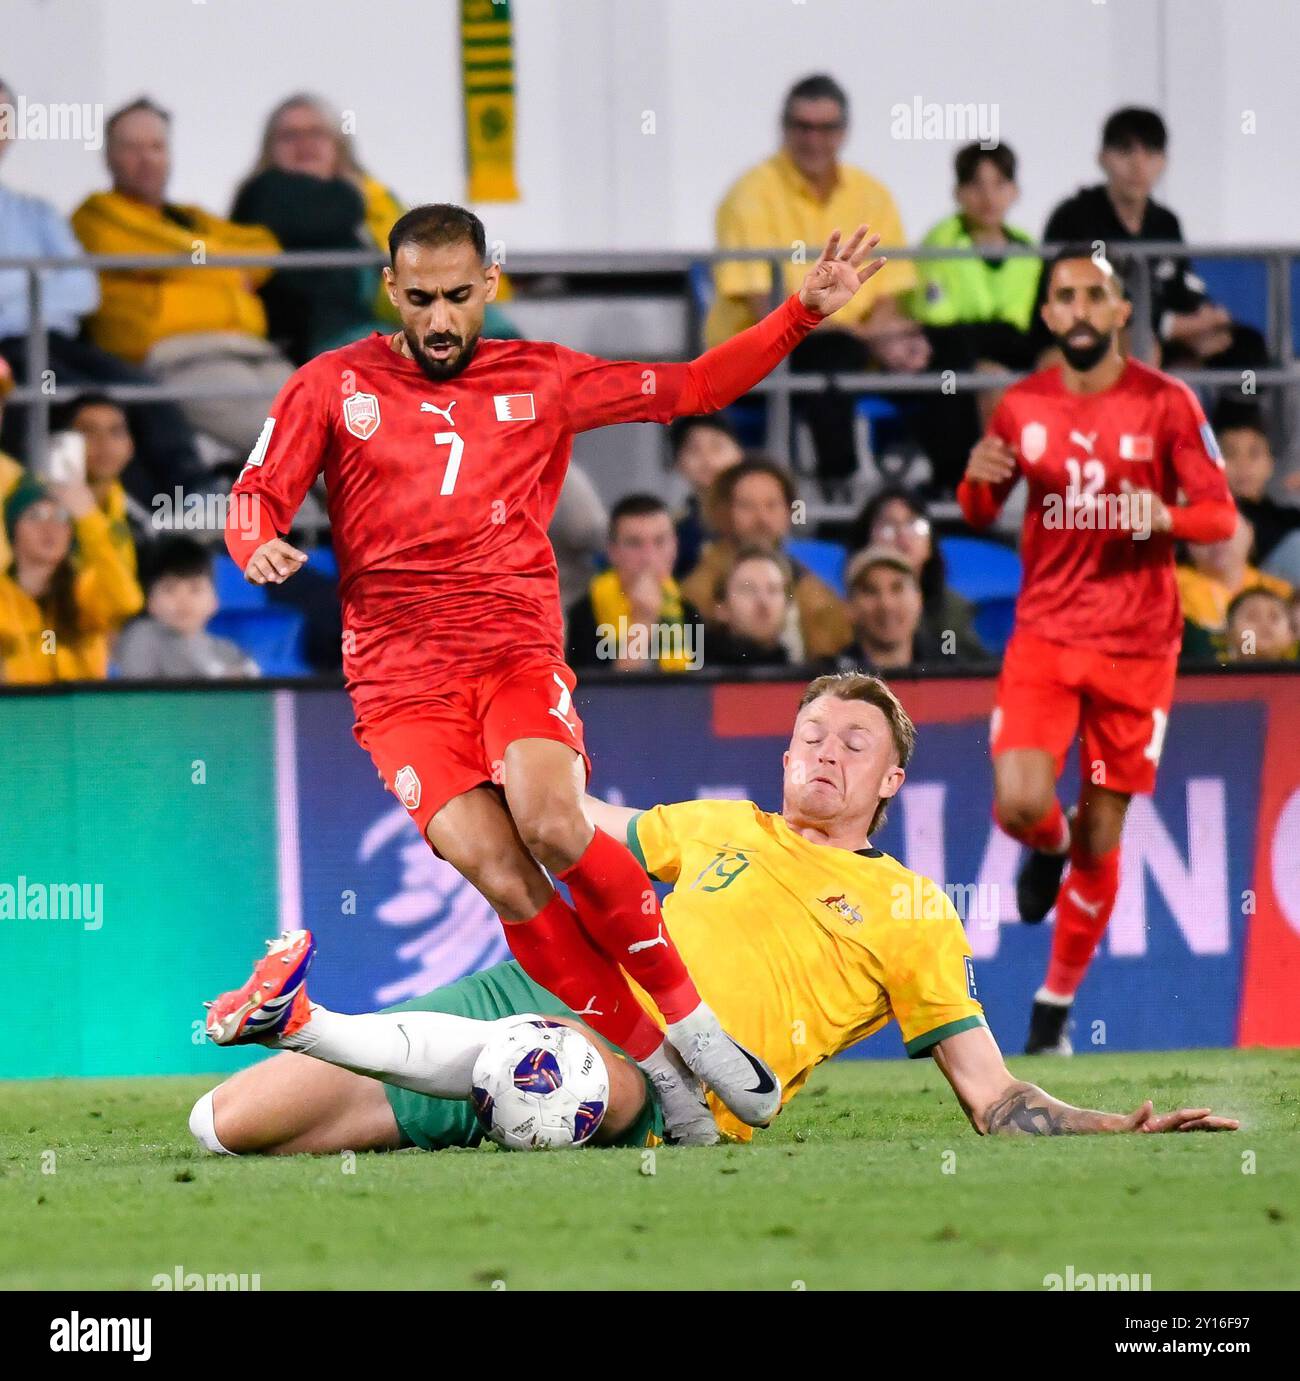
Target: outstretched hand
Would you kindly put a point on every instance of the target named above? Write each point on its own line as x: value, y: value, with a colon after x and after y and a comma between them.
x: 839, y: 272
x: 1146, y: 1119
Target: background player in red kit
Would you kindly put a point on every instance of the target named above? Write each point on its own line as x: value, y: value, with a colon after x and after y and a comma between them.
x: 443, y: 455
x: 1120, y: 463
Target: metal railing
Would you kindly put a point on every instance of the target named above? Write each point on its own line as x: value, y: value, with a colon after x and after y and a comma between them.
x: 781, y: 385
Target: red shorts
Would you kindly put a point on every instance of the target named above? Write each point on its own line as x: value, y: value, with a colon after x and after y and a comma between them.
x: 456, y: 739
x: 1119, y: 706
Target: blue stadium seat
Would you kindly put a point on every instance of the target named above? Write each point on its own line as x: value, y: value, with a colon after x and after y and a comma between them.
x: 993, y: 621
x: 1240, y: 285
x: 824, y: 559
x: 233, y: 591
x: 980, y: 570
x: 323, y: 561
x: 700, y: 279
x: 1295, y: 305
x: 273, y: 637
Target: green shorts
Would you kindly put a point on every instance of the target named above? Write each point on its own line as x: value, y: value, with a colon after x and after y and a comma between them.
x: 504, y: 990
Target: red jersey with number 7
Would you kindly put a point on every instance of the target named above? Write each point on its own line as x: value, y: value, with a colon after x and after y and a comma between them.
x: 1089, y: 579
x: 440, y: 492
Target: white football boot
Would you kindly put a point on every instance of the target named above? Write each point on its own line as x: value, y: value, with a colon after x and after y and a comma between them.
x: 687, y: 1119
x: 739, y: 1078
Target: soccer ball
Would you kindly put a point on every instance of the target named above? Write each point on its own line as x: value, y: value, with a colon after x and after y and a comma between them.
x: 539, y: 1085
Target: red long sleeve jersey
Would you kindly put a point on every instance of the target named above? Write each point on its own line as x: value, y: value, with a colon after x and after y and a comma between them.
x: 440, y: 493
x: 1086, y: 583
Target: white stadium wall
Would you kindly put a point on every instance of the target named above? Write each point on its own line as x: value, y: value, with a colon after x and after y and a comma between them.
x: 588, y: 70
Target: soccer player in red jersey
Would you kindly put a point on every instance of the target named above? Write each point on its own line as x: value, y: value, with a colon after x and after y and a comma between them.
x: 1120, y: 463
x: 443, y: 455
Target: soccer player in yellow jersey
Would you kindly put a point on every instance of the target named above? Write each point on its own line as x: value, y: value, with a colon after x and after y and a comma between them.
x: 801, y: 936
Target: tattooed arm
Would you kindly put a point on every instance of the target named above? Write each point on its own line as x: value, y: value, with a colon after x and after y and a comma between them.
x: 998, y: 1104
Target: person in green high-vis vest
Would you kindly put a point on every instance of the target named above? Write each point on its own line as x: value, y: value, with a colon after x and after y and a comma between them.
x: 980, y: 292
x: 976, y: 312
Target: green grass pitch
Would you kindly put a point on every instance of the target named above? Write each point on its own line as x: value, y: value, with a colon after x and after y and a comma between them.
x: 849, y: 1190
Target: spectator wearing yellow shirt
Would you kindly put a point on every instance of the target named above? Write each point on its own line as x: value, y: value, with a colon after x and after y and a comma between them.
x: 58, y: 610
x: 794, y: 200
x: 1218, y: 573
x: 200, y: 326
x: 102, y: 425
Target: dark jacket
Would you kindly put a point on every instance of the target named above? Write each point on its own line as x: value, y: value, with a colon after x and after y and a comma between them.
x: 310, y: 310
x: 1090, y: 215
x: 722, y: 648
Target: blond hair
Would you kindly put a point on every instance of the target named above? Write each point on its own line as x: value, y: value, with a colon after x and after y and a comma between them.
x: 871, y: 690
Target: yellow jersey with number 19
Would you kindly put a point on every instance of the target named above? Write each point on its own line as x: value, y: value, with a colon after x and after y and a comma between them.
x: 803, y: 949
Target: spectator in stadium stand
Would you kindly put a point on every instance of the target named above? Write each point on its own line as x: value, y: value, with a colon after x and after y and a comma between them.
x: 749, y: 616
x: 577, y: 530
x: 1259, y: 628
x: 199, y: 326
x: 702, y: 448
x: 1218, y: 572
x: 169, y: 641
x: 996, y: 296
x: 885, y: 606
x: 798, y: 196
x: 893, y: 517
x: 310, y: 189
x: 1191, y: 329
x: 59, y: 608
x: 32, y: 228
x: 976, y: 312
x: 633, y: 616
x: 1248, y: 462
x: 752, y: 504
x: 101, y: 423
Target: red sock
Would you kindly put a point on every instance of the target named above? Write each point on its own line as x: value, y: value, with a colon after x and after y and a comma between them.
x: 554, y: 951
x: 1083, y: 908
x: 1046, y: 835
x: 618, y: 908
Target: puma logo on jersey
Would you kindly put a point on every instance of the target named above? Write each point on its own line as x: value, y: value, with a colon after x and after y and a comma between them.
x: 659, y: 939
x: 1092, y: 908
x: 1086, y: 441
x: 442, y: 412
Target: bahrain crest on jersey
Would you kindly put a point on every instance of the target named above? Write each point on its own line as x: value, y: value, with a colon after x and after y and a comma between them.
x: 1033, y: 441
x: 361, y: 415
x: 406, y: 786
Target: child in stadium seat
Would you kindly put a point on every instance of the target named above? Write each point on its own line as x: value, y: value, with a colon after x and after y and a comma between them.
x: 170, y: 641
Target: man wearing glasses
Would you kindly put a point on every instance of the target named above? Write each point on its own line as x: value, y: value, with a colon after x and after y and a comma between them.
x: 795, y: 198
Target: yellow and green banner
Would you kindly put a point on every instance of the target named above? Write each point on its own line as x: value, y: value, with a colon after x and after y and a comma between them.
x: 488, y: 81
